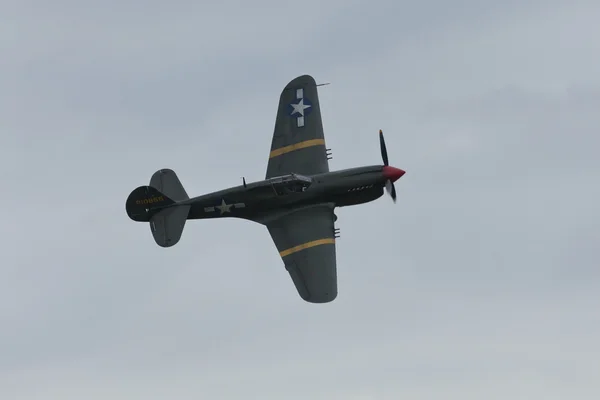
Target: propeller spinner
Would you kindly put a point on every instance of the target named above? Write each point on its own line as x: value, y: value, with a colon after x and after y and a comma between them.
x: 392, y: 174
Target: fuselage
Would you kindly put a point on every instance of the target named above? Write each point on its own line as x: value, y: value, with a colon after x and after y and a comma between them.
x: 258, y: 200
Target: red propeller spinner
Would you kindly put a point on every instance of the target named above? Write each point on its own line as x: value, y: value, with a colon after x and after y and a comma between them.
x: 392, y: 173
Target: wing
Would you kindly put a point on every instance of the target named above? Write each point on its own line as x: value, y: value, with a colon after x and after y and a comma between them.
x: 305, y: 240
x: 298, y: 143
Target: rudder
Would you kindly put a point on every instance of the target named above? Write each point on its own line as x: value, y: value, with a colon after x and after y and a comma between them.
x: 145, y: 201
x: 158, y: 205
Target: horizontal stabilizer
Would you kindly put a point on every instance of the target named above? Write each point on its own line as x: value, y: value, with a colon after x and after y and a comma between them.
x: 167, y: 182
x: 167, y: 225
x: 145, y: 201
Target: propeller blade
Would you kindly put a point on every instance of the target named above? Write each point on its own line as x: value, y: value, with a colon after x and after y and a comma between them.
x: 389, y: 185
x: 384, y: 154
x: 391, y: 189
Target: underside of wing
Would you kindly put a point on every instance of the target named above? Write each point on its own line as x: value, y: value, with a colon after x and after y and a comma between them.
x: 306, y: 243
x: 298, y: 143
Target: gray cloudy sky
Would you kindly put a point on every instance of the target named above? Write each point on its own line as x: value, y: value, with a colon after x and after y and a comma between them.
x: 480, y: 283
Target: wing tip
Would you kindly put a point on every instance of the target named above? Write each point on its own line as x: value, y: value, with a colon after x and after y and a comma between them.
x: 321, y: 299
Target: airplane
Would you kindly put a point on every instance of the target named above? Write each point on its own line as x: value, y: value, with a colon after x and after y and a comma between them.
x: 295, y: 201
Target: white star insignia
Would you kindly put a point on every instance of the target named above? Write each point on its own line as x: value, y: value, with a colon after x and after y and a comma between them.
x: 224, y: 207
x: 300, y: 107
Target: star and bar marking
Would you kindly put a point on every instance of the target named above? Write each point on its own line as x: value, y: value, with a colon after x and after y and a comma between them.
x: 224, y: 207
x: 302, y: 108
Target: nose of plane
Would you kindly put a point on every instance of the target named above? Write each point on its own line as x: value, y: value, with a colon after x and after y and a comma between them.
x: 392, y: 173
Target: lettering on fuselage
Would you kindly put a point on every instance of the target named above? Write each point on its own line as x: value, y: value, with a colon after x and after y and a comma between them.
x: 150, y: 200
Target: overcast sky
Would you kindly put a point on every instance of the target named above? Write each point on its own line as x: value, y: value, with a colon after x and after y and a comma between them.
x: 481, y: 282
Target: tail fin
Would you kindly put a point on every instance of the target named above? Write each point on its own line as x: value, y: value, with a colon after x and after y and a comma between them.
x: 144, y: 202
x: 157, y: 204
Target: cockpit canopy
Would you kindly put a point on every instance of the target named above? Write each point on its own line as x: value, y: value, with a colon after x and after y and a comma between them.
x: 290, y: 178
x: 290, y: 183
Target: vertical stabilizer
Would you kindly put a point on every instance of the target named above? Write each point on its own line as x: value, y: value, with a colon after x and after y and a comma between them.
x: 158, y: 204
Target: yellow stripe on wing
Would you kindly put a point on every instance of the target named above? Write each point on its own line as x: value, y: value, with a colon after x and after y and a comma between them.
x: 306, y: 245
x: 297, y: 146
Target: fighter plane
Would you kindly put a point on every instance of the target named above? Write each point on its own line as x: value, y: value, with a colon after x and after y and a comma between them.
x: 295, y: 201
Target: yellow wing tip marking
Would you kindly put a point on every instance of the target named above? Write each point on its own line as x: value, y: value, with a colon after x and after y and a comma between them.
x: 305, y: 246
x: 297, y: 146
